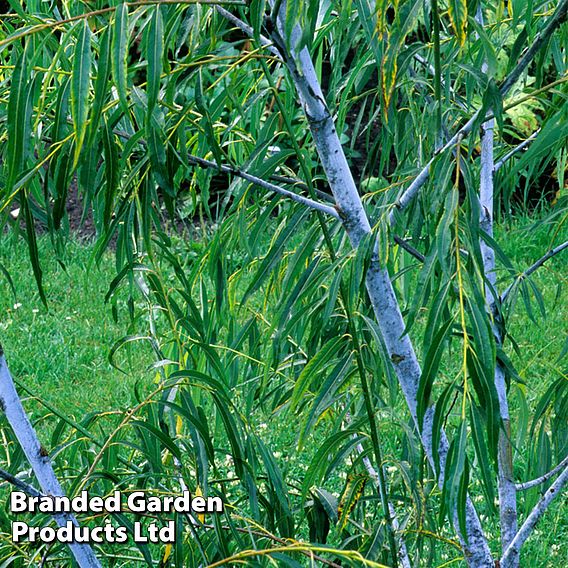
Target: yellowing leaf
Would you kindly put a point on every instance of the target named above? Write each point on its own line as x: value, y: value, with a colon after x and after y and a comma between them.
x: 389, y: 69
x: 167, y: 553
x: 381, y: 12
x: 199, y: 493
x: 457, y: 10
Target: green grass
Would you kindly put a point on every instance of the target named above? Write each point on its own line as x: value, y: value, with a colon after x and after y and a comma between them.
x: 61, y: 354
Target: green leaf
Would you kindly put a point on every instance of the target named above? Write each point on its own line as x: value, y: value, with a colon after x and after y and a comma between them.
x: 156, y: 433
x: 326, y: 396
x: 119, y: 53
x: 101, y: 84
x: 275, y: 253
x: 482, y: 455
x: 276, y: 478
x: 351, y: 496
x: 315, y: 366
x: 431, y: 365
x: 326, y: 451
x: 493, y: 101
x: 80, y: 84
x: 6, y: 274
x: 454, y: 470
x: 438, y: 423
x: 18, y: 119
x: 328, y: 501
x: 112, y: 172
x: 155, y: 52
x: 32, y: 245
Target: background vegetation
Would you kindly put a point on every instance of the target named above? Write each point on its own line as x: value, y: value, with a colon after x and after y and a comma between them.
x: 214, y: 335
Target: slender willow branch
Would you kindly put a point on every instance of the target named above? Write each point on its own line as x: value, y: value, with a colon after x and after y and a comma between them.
x: 543, y: 478
x: 300, y: 199
x: 379, y: 286
x: 38, y: 458
x: 528, y: 526
x: 266, y: 185
x: 515, y: 150
x: 505, y: 481
x: 270, y: 536
x: 25, y: 487
x: 552, y: 252
x: 243, y: 26
x: 409, y: 248
x: 554, y: 22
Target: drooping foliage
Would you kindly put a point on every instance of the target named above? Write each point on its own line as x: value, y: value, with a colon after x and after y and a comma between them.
x: 255, y: 306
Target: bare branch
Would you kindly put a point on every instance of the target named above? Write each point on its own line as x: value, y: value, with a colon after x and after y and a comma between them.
x: 528, y: 526
x: 534, y: 267
x: 25, y: 487
x: 555, y: 21
x: 515, y: 150
x: 243, y: 26
x: 543, y: 478
x: 38, y: 458
x: 505, y: 481
x: 265, y: 185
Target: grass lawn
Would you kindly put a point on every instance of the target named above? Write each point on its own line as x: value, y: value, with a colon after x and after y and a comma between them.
x: 60, y: 354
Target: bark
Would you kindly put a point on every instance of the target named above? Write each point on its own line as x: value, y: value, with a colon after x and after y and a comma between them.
x: 38, y: 458
x: 528, y: 526
x: 534, y: 267
x: 379, y: 287
x: 557, y: 19
x: 543, y: 478
x: 505, y: 481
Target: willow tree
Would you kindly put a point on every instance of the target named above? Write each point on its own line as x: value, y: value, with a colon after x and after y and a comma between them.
x: 346, y: 162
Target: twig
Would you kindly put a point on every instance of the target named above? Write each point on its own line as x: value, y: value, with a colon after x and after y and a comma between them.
x: 515, y: 150
x: 528, y: 526
x: 552, y: 252
x: 25, y: 487
x: 409, y: 248
x: 266, y: 185
x: 555, y: 21
x: 543, y: 478
x: 274, y: 538
x: 296, y: 182
x: 243, y: 26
